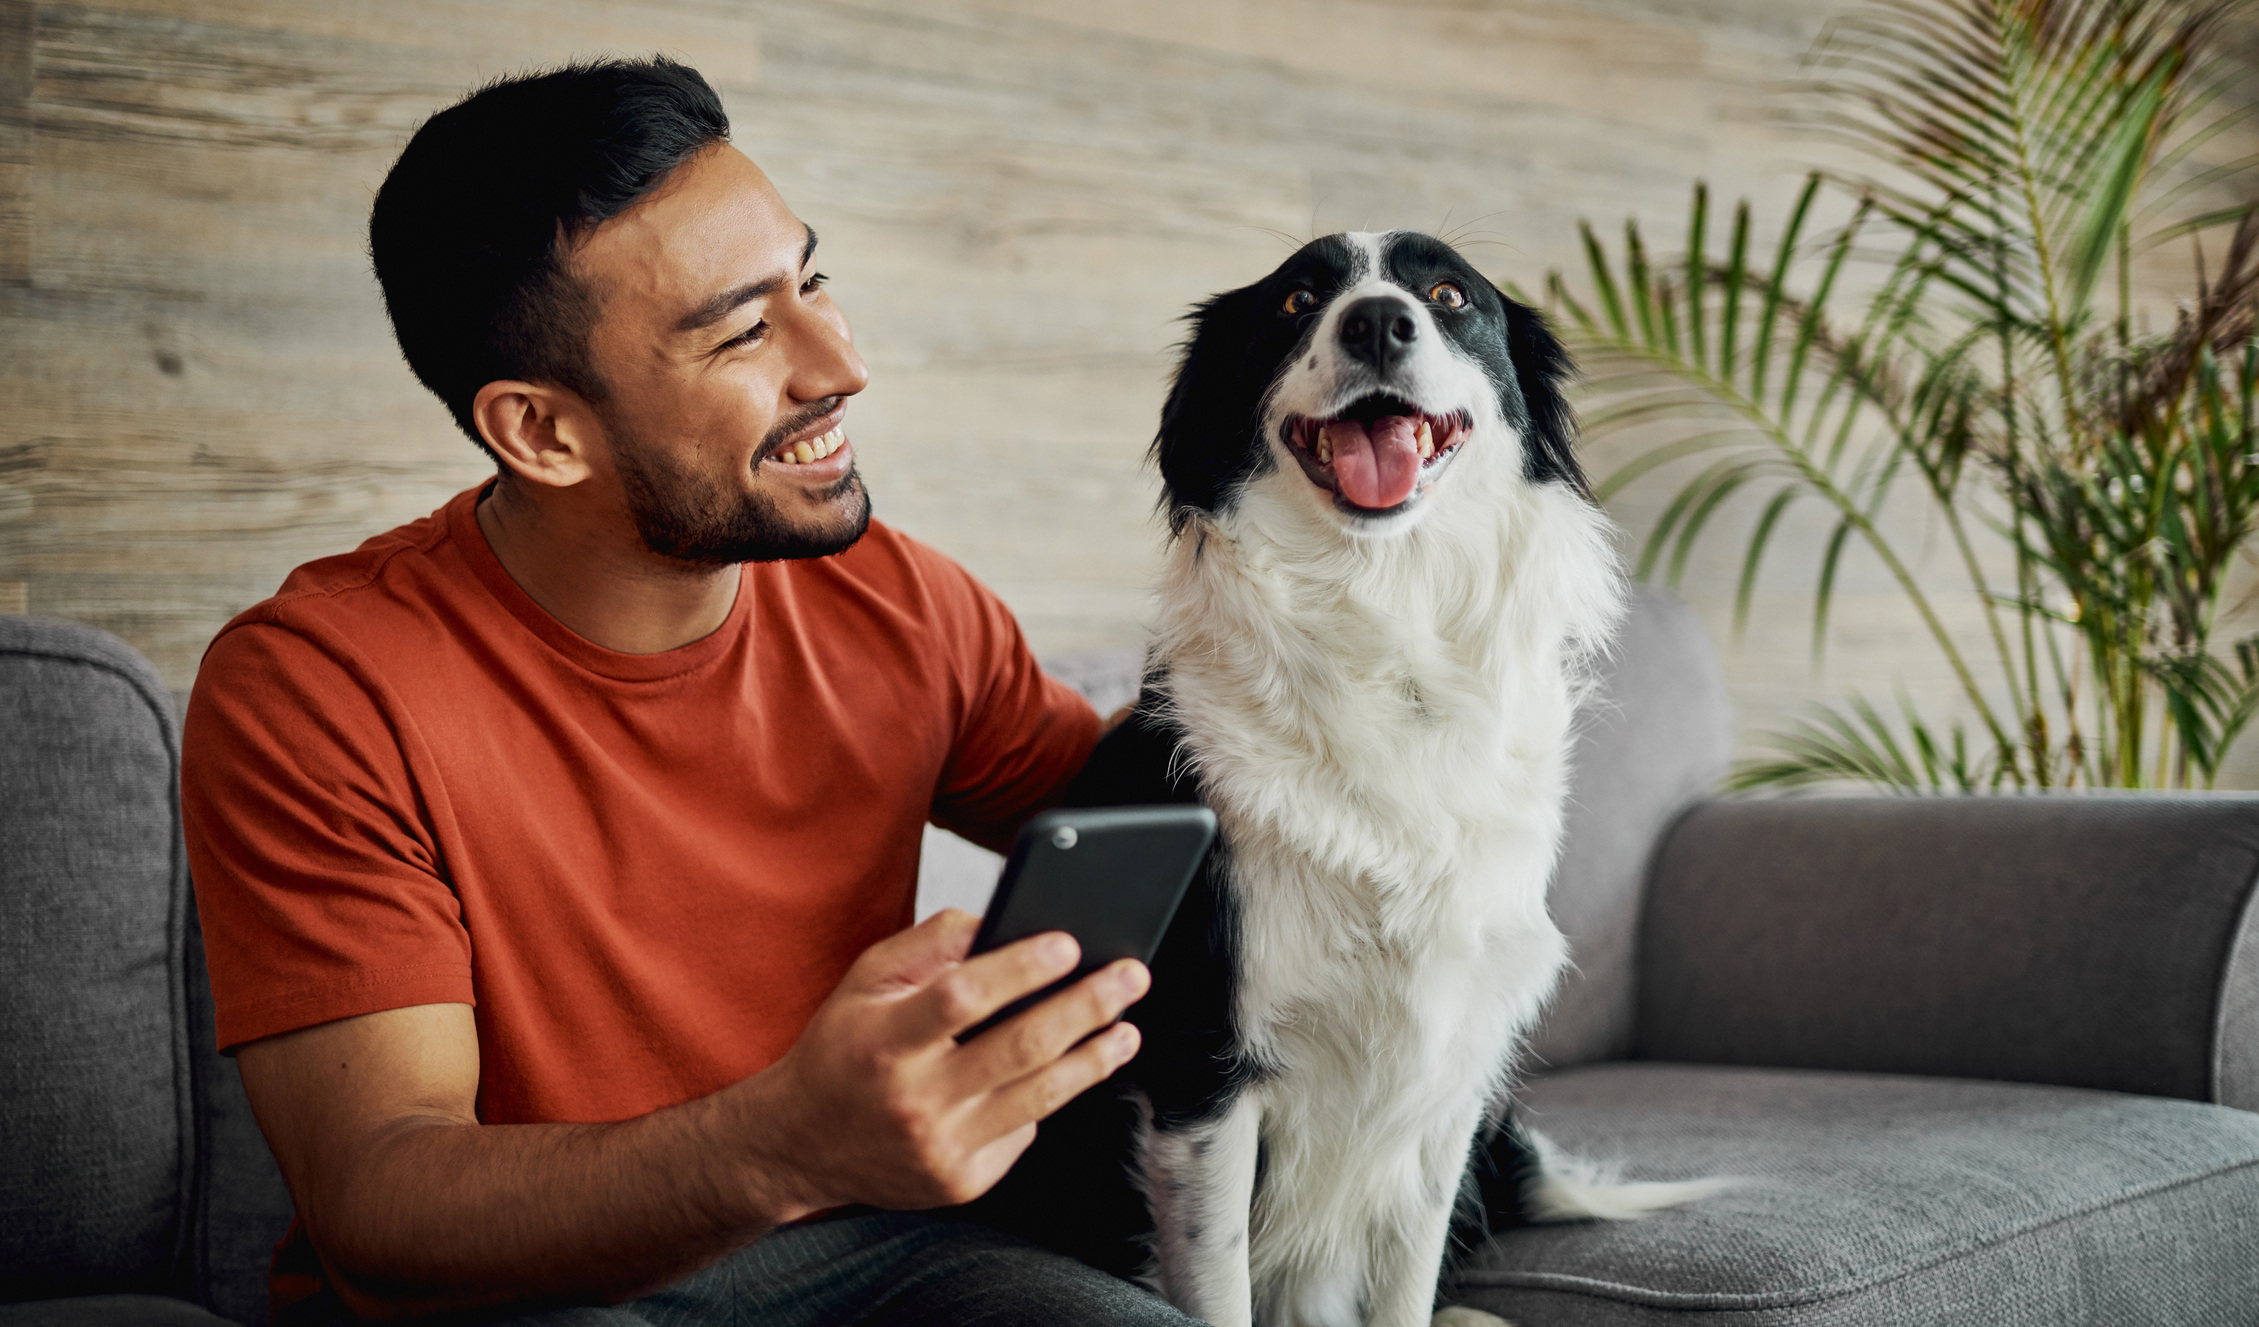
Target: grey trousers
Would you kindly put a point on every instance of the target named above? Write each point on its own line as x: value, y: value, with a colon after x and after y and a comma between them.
x: 871, y: 1269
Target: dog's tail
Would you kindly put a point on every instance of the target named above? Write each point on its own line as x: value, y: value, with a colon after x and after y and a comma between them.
x: 1519, y: 1177
x: 1570, y: 1188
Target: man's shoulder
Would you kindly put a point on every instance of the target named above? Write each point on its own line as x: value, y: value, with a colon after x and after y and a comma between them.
x: 357, y: 600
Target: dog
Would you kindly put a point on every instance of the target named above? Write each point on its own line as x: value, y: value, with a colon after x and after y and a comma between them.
x: 1386, y: 584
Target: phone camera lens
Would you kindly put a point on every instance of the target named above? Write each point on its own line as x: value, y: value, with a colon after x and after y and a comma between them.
x: 1064, y: 837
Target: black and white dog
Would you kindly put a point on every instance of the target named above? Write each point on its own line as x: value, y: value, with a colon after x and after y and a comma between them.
x: 1386, y: 580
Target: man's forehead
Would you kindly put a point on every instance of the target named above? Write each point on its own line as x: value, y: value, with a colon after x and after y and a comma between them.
x: 716, y: 225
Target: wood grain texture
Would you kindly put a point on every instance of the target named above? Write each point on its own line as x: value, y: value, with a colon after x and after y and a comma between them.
x: 1018, y: 200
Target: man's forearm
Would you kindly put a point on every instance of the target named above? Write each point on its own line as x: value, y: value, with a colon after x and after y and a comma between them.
x: 436, y: 1214
x: 416, y: 1207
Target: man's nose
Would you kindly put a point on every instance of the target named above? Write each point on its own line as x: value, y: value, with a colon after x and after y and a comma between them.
x: 1380, y: 330
x: 829, y: 364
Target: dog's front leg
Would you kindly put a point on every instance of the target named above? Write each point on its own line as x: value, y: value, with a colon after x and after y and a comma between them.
x: 1408, y: 1252
x: 1200, y: 1185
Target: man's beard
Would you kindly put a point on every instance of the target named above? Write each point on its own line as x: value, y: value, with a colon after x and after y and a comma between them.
x: 684, y: 515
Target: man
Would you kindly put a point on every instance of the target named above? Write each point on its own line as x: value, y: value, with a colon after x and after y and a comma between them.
x: 555, y: 852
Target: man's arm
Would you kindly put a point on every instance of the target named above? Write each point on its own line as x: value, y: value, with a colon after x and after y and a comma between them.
x: 414, y: 1206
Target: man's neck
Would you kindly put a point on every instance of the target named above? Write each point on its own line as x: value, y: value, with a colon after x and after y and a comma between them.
x: 595, y: 575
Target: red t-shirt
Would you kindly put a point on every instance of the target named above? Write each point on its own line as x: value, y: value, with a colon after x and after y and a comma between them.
x: 405, y: 783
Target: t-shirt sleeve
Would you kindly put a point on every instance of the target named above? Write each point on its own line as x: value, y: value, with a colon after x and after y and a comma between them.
x: 1021, y: 734
x: 321, y: 893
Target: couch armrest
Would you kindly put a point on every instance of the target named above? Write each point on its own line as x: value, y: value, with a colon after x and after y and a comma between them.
x: 2106, y: 941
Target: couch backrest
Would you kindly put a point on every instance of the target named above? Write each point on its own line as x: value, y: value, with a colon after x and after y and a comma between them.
x: 1656, y: 736
x: 97, y: 1177
x: 130, y: 1161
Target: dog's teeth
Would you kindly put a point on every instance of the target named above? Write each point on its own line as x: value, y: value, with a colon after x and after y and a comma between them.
x: 1325, y: 451
x: 1427, y: 440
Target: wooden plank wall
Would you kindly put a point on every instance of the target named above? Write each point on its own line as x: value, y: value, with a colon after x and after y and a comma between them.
x: 1018, y: 198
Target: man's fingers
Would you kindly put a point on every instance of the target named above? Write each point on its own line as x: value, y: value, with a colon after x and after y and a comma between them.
x: 1037, y: 1095
x: 914, y: 957
x: 988, y: 1164
x: 1035, y: 1037
x: 962, y: 996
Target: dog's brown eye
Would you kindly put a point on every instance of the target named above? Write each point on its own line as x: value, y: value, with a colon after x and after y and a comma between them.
x: 1447, y: 295
x: 1299, y: 301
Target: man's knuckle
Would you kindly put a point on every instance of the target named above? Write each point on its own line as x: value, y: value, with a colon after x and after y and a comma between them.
x: 905, y: 1118
x: 1031, y: 1041
x: 958, y: 998
x: 1057, y: 1088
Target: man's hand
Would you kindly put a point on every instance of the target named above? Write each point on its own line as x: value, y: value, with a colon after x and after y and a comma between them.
x: 415, y: 1207
x: 879, y: 1104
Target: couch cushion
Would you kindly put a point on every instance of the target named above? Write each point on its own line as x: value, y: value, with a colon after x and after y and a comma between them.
x: 1878, y: 1199
x: 95, y: 1176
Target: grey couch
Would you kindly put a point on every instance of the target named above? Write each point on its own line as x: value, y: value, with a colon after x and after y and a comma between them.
x: 1976, y: 1061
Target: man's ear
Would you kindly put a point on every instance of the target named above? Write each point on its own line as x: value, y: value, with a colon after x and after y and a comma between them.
x: 541, y: 433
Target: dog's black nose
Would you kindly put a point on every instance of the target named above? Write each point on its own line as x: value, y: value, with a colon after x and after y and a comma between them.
x: 1379, y: 330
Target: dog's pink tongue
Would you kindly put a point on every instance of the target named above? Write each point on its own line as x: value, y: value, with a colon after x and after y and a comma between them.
x: 1375, y: 465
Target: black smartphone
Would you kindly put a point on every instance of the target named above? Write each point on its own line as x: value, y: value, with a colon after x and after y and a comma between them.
x: 1111, y: 877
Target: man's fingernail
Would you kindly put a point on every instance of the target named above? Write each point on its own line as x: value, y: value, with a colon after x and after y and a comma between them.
x: 1130, y: 979
x: 1058, y: 948
x: 1124, y: 1039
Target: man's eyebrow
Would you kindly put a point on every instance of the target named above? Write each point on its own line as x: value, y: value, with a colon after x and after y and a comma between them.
x: 720, y: 306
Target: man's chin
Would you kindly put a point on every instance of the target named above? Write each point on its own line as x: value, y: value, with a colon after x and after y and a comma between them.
x: 759, y: 532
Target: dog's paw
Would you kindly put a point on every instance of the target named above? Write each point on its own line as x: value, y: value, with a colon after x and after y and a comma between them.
x: 1459, y: 1315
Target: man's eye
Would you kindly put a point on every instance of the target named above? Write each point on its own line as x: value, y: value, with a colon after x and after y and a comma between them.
x: 813, y: 283
x: 1298, y: 301
x: 1447, y: 295
x: 747, y: 337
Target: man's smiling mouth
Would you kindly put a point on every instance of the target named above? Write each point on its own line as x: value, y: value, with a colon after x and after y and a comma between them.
x: 809, y: 450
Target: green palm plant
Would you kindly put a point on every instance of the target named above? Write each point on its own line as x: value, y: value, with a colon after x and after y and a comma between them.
x: 2027, y: 151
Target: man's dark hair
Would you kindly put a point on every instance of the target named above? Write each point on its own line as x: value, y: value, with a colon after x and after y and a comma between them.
x: 471, y: 231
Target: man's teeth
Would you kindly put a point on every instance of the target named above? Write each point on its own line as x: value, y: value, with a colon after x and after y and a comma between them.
x: 815, y: 449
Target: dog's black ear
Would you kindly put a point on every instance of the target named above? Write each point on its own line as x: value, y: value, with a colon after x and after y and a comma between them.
x: 1549, y: 427
x: 1210, y: 439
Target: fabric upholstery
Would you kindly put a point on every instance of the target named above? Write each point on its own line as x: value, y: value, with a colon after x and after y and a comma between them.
x: 1654, y: 736
x: 2235, y: 1036
x: 242, y: 1207
x: 108, y: 1311
x: 1882, y: 1200
x: 96, y: 1176
x: 2084, y: 940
